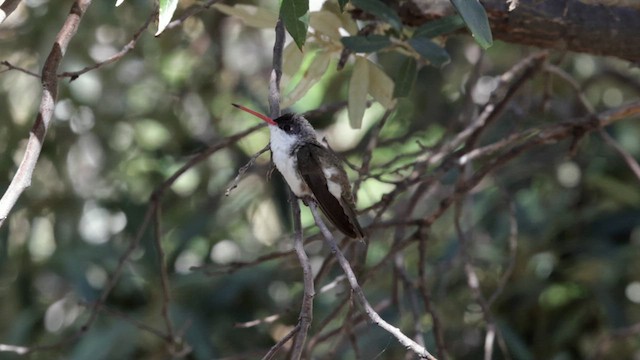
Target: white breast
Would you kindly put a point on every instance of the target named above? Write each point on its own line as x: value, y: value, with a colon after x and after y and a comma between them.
x: 281, y: 145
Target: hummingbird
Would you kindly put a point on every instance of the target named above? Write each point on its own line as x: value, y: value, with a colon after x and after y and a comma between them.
x: 311, y: 170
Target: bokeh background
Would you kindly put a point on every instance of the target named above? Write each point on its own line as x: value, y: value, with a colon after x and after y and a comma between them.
x: 121, y: 130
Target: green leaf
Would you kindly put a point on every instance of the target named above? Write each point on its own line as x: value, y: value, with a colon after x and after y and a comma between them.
x: 381, y: 86
x: 295, y: 15
x: 342, y: 3
x: 347, y: 21
x: 167, y: 8
x: 476, y: 19
x: 405, y: 78
x: 366, y: 44
x: 379, y: 9
x: 250, y: 15
x: 312, y: 75
x: 429, y: 50
x: 358, y: 86
x: 326, y: 22
x: 291, y: 60
x: 439, y: 27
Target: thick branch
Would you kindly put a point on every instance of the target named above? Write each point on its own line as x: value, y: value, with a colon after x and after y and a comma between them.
x: 593, y: 27
x: 7, y: 8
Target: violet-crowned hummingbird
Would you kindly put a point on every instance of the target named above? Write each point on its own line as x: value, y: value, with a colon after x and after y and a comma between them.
x: 311, y: 169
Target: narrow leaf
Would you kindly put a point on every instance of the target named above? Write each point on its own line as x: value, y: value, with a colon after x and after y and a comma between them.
x: 291, y: 60
x: 250, y: 15
x: 439, y: 27
x: 429, y: 50
x: 119, y: 2
x: 406, y: 78
x: 380, y: 10
x: 476, y: 19
x: 345, y: 18
x: 327, y: 23
x: 358, y: 86
x: 366, y: 44
x: 167, y: 8
x: 295, y: 15
x: 381, y: 86
x: 314, y: 73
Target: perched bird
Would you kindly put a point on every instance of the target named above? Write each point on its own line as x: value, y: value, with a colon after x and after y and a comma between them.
x: 311, y: 169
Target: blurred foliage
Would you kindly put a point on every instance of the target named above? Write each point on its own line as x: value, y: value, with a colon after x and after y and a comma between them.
x: 121, y: 130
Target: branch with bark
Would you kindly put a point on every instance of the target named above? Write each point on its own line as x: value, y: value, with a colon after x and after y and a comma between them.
x: 49, y: 77
x: 607, y: 28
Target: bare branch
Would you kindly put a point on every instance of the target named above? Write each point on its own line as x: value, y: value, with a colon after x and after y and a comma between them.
x: 274, y: 349
x: 7, y: 7
x: 10, y: 66
x: 426, y: 298
x: 474, y: 285
x: 594, y: 27
x: 117, y: 56
x: 243, y: 170
x: 631, y: 162
x: 306, y: 309
x: 371, y: 313
x: 513, y: 249
x: 164, y: 277
x: 191, y: 11
x: 22, y: 179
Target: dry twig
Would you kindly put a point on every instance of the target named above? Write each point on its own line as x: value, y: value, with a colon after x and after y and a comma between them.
x: 353, y: 282
x: 22, y: 179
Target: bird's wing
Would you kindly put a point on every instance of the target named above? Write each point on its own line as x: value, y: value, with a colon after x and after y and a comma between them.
x: 311, y: 170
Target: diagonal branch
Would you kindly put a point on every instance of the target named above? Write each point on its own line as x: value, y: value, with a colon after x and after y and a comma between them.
x: 117, y: 56
x: 22, y: 179
x: 353, y: 282
x: 7, y: 8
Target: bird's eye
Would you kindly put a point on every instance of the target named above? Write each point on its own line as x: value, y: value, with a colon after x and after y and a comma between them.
x: 286, y: 128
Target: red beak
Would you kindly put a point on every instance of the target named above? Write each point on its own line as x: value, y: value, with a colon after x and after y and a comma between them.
x: 267, y: 119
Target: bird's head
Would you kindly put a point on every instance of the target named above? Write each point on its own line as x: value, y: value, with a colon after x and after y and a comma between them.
x: 287, y: 125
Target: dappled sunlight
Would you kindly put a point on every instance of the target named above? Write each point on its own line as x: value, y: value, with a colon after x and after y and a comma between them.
x: 496, y: 182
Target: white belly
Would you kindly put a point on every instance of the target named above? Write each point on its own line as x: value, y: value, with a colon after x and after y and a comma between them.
x: 281, y: 145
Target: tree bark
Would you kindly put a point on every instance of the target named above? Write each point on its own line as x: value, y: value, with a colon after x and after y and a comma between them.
x: 598, y: 27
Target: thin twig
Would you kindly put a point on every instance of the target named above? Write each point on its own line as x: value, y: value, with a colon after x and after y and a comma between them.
x: 117, y: 56
x: 425, y: 294
x: 631, y: 162
x: 164, y: 277
x: 513, y: 252
x: 274, y: 349
x: 473, y: 283
x: 266, y: 320
x: 138, y: 324
x: 371, y: 313
x: 10, y: 66
x: 191, y: 11
x: 244, y: 169
x: 306, y: 309
x: 368, y: 155
x: 238, y: 265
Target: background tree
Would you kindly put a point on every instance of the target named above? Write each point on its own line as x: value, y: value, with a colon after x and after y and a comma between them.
x: 499, y: 187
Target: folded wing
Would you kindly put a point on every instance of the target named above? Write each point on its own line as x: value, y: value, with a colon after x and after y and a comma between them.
x: 338, y: 210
